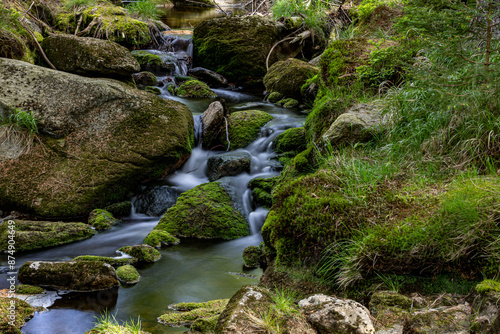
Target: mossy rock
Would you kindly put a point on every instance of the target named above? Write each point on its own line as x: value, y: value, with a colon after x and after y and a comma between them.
x: 192, y: 312
x: 287, y: 77
x: 228, y: 164
x: 205, y: 325
x: 180, y: 79
x: 16, y: 41
x: 22, y: 313
x: 145, y: 78
x: 261, y: 191
x: 205, y: 212
x: 143, y: 253
x: 112, y: 261
x: 488, y: 285
x: 127, y: 274
x: 152, y: 62
x: 237, y: 47
x: 153, y: 90
x: 291, y: 140
x: 275, y: 97
x: 252, y: 256
x: 159, y: 239
x: 101, y: 219
x: 32, y: 235
x: 325, y: 112
x: 195, y: 88
x: 295, y: 227
x: 119, y: 209
x: 382, y: 300
x: 69, y: 275
x: 26, y: 289
x: 244, y: 128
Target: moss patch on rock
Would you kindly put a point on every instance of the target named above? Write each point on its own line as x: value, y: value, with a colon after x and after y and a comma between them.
x: 127, y: 274
x: 22, y: 313
x: 244, y: 127
x: 26, y: 289
x: 488, y: 285
x: 101, y: 219
x: 16, y: 41
x: 39, y: 234
x: 195, y: 88
x: 192, y: 312
x: 252, y: 256
x: 143, y: 253
x: 291, y: 140
x: 114, y: 262
x: 274, y: 97
x: 261, y: 190
x: 159, y: 239
x: 206, y: 212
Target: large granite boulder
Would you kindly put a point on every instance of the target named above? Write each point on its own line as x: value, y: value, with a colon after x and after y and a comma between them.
x: 69, y: 275
x: 237, y: 47
x: 89, y: 56
x: 287, y: 77
x: 98, y: 139
x: 156, y: 200
x: 332, y: 315
x: 204, y: 212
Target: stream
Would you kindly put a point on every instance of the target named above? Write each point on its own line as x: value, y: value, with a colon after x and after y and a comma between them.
x: 193, y: 271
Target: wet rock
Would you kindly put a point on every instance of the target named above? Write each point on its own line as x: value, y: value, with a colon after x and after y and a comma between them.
x: 102, y: 220
x: 89, y: 56
x: 237, y: 47
x: 153, y: 62
x: 160, y: 239
x: 156, y: 201
x: 252, y: 256
x: 119, y: 209
x: 358, y: 124
x: 143, y: 253
x: 195, y: 88
x: 228, y: 164
x: 205, y: 212
x: 32, y: 235
x: 212, y: 120
x: 443, y: 320
x: 287, y: 77
x: 143, y: 79
x: 69, y: 275
x: 200, y: 316
x: 101, y: 138
x: 331, y: 315
x: 275, y: 97
x: 127, y: 274
x: 210, y: 77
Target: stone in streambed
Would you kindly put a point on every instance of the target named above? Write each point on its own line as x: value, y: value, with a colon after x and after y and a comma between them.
x: 113, y: 261
x: 200, y: 316
x: 143, y: 79
x: 102, y: 220
x: 143, y: 253
x: 212, y: 124
x: 204, y: 212
x: 127, y: 274
x: 69, y: 275
x: 211, y: 78
x: 195, y: 88
x: 41, y: 234
x: 228, y: 164
x: 156, y: 200
x: 252, y: 256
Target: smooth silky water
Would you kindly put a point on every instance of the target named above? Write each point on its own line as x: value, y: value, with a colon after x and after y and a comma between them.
x: 195, y: 270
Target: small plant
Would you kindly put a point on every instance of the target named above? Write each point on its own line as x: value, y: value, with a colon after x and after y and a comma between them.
x: 23, y: 120
x: 73, y: 4
x: 145, y: 9
x: 107, y: 323
x: 284, y: 302
x: 392, y: 282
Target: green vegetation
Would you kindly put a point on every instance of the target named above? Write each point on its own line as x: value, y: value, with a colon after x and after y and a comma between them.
x: 101, y: 219
x: 127, y: 274
x: 244, y: 127
x: 261, y: 191
x: 145, y: 9
x: 23, y: 120
x: 158, y: 239
x: 252, y: 256
x: 107, y: 323
x: 488, y: 285
x: 143, y: 253
x: 115, y: 262
x: 195, y: 88
x: 16, y: 43
x: 26, y: 289
x: 203, y: 314
x: 23, y: 312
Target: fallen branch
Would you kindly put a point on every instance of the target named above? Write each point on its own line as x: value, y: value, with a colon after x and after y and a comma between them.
x: 38, y: 45
x: 227, y: 136
x: 272, y: 49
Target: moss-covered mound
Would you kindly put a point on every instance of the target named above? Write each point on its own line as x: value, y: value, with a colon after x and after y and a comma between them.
x: 261, y: 190
x: 195, y: 88
x: 195, y: 312
x: 16, y: 311
x: 287, y: 77
x: 26, y: 289
x: 152, y: 62
x: 236, y: 47
x: 40, y: 234
x: 119, y: 209
x: 100, y: 139
x: 488, y: 285
x: 143, y: 253
x: 205, y: 211
x: 101, y: 219
x: 16, y: 42
x: 252, y: 256
x: 114, y: 262
x: 127, y: 274
x: 70, y: 275
x: 159, y: 239
x: 291, y: 141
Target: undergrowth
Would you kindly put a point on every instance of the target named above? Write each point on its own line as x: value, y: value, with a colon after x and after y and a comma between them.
x: 107, y: 323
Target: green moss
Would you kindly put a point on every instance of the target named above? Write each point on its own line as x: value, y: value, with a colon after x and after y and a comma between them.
x: 153, y: 90
x: 143, y: 253
x: 23, y: 312
x: 488, y: 285
x: 383, y: 299
x: 288, y: 103
x: 205, y: 211
x: 308, y: 214
x: 291, y: 140
x: 304, y: 161
x: 147, y: 60
x: 127, y: 274
x: 158, y: 239
x: 244, y: 127
x: 38, y: 234
x: 195, y: 88
x: 205, y: 325
x: 261, y: 190
x: 179, y: 79
x: 16, y: 41
x: 26, y: 289
x: 101, y: 219
x: 115, y: 262
x: 171, y: 89
x: 274, y: 97
x: 193, y: 312
x: 252, y: 256
x: 119, y: 209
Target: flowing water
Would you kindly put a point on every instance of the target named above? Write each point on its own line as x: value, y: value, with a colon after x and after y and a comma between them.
x: 195, y: 270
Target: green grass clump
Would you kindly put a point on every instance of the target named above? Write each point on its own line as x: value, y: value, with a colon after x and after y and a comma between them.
x: 127, y: 274
x: 107, y: 323
x: 145, y: 9
x: 26, y: 289
x: 23, y: 120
